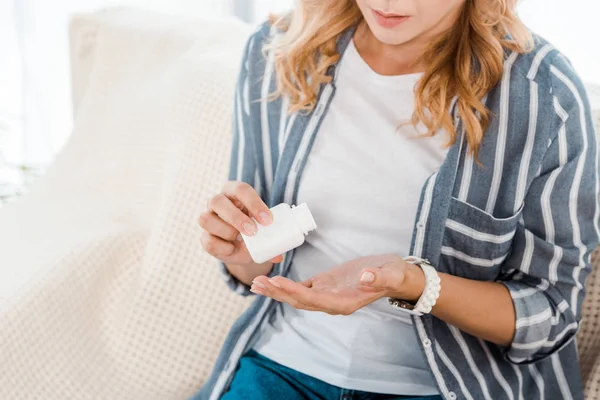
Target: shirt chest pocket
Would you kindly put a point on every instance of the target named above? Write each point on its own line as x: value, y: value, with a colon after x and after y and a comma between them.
x: 476, y: 243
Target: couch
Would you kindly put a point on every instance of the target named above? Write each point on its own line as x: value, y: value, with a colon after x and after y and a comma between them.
x: 105, y: 292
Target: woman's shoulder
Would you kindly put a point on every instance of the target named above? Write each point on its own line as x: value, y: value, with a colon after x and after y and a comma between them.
x: 259, y: 37
x: 545, y: 65
x: 254, y: 53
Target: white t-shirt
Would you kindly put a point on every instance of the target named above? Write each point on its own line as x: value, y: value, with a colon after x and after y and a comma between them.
x: 362, y: 182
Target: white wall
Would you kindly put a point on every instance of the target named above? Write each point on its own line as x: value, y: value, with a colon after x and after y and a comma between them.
x: 263, y: 8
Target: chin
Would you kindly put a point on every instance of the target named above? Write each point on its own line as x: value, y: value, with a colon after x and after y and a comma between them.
x: 392, y: 37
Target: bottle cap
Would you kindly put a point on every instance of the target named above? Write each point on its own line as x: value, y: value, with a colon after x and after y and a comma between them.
x: 304, y: 217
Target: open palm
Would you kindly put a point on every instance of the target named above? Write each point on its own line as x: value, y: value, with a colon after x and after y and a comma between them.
x: 339, y: 290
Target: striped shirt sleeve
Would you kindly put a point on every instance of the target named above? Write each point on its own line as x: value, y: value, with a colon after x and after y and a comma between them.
x: 243, y: 159
x: 559, y: 228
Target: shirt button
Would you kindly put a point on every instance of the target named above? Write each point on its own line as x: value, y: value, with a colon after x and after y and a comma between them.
x: 452, y: 396
x: 427, y: 343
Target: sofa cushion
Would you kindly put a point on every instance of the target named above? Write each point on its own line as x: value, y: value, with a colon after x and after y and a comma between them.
x: 108, y: 294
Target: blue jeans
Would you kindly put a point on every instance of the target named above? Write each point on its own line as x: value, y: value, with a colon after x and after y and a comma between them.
x: 259, y: 378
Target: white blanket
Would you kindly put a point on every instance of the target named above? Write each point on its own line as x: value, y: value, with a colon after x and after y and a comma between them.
x: 106, y: 292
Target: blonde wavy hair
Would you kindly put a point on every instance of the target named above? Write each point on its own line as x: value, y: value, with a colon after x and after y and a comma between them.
x: 466, y: 61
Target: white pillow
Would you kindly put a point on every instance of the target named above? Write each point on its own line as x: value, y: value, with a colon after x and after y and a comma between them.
x: 108, y: 294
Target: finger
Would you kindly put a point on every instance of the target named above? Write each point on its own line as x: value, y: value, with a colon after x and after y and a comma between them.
x: 228, y: 212
x: 303, y: 294
x: 214, y: 225
x: 216, y: 246
x: 277, y: 259
x: 385, y: 277
x: 269, y: 291
x: 247, y: 195
x: 266, y: 287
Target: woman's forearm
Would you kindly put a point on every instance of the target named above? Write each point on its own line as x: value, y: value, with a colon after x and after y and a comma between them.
x: 247, y: 273
x: 482, y: 309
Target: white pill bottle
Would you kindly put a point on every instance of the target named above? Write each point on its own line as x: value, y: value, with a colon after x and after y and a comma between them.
x: 288, y: 230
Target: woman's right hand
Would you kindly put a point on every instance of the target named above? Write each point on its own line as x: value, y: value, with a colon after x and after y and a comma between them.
x: 230, y: 213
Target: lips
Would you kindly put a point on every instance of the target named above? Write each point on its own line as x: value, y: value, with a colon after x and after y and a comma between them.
x: 389, y: 20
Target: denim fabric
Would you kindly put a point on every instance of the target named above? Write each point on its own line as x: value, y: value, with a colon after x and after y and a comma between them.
x: 259, y: 378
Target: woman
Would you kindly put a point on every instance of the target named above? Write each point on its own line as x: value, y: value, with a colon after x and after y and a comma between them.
x: 437, y: 129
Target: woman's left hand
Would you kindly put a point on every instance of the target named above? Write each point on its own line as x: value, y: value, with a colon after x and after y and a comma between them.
x: 341, y: 290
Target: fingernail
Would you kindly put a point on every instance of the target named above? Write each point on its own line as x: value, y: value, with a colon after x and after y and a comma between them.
x: 249, y: 228
x: 265, y: 218
x: 367, y: 277
x: 277, y: 285
x: 239, y: 238
x: 258, y: 284
x: 255, y: 291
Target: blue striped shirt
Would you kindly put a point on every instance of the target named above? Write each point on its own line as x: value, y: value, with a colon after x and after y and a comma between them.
x: 527, y: 217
